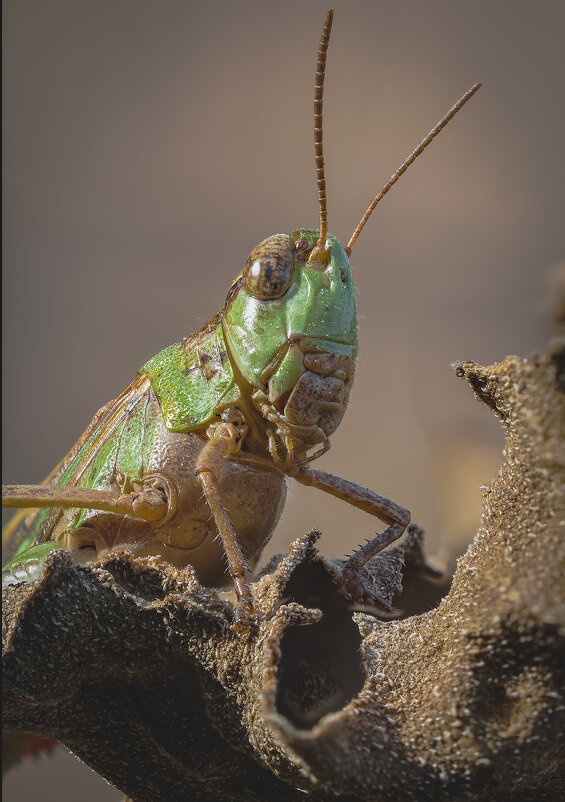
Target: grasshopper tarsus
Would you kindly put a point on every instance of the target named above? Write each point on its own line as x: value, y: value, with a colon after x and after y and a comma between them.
x: 245, y: 620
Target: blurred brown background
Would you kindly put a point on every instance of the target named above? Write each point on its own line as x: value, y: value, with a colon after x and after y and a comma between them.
x: 148, y: 146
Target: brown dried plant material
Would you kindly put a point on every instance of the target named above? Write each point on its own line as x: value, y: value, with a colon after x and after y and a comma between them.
x: 136, y: 668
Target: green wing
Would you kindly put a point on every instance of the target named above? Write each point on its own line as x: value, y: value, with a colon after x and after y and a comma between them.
x: 193, y: 379
x: 113, y: 435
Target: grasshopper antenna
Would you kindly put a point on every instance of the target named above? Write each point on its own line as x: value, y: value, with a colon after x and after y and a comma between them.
x: 320, y: 251
x: 406, y: 164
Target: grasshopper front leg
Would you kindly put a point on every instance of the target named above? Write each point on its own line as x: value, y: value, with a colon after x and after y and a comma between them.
x: 225, y: 438
x: 383, y: 508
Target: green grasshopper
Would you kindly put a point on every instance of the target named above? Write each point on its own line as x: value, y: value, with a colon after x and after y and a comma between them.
x: 189, y: 462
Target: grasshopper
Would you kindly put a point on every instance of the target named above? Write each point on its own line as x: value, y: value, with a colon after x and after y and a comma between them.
x: 189, y: 463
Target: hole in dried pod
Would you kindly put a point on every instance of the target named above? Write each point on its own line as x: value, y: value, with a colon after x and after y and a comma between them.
x: 320, y: 666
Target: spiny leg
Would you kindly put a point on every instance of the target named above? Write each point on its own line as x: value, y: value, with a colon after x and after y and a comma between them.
x: 225, y: 439
x: 383, y: 508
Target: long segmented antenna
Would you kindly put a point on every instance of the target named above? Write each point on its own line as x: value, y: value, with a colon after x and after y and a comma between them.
x: 319, y: 133
x: 406, y: 164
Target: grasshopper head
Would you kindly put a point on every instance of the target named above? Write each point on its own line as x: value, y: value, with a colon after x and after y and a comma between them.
x: 290, y: 320
x: 290, y: 325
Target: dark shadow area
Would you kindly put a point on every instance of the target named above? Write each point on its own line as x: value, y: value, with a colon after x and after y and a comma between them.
x: 320, y: 666
x: 422, y: 587
x: 517, y: 684
x: 558, y: 362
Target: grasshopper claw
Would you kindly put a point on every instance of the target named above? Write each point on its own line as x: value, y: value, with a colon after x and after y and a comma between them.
x: 245, y: 617
x: 244, y: 626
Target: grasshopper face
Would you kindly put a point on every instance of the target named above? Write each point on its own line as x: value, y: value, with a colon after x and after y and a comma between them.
x: 290, y: 325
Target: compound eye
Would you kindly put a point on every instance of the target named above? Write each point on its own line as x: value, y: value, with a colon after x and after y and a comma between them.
x: 268, y: 270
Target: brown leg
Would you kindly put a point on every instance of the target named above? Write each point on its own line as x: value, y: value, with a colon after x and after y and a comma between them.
x: 225, y: 439
x: 388, y: 511
x: 150, y: 502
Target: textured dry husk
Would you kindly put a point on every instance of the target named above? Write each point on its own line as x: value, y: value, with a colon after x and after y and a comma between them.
x: 136, y: 667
